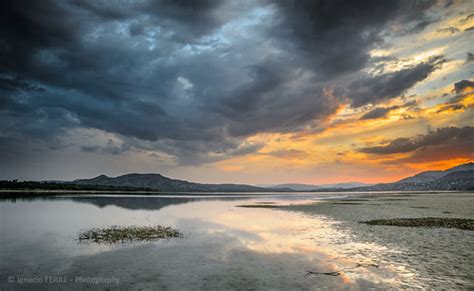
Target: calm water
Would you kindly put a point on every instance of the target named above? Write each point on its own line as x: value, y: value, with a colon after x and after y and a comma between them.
x: 224, y: 247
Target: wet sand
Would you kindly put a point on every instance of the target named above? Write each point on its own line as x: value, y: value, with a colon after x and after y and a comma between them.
x: 441, y: 257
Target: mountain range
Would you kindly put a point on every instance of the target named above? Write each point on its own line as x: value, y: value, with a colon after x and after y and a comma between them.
x: 429, y: 176
x: 310, y: 187
x: 457, y: 178
x: 165, y: 184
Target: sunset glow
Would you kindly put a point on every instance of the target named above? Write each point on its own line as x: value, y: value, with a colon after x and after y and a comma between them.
x: 257, y: 93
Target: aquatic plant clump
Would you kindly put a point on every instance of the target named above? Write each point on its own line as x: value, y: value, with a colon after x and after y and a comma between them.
x: 258, y: 206
x: 120, y: 234
x: 465, y: 224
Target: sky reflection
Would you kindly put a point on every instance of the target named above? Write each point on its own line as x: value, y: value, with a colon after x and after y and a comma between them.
x: 44, y: 232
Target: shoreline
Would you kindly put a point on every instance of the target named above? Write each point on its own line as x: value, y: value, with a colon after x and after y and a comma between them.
x: 224, y: 192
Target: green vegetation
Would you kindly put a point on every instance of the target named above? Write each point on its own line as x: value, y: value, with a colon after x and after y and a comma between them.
x: 33, y: 185
x: 258, y: 206
x: 118, y: 234
x: 460, y: 223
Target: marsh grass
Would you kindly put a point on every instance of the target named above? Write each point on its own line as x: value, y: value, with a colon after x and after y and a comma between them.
x: 121, y: 234
x: 259, y: 206
x: 440, y: 222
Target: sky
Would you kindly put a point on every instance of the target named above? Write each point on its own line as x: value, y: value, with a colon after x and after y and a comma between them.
x: 257, y: 92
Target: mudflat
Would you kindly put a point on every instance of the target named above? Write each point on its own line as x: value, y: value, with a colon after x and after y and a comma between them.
x: 431, y: 231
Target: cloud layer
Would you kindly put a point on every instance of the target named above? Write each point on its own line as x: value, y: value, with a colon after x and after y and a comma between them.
x: 449, y: 141
x: 193, y: 80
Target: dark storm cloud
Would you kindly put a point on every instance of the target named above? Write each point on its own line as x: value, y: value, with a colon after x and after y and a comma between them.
x: 15, y: 83
x: 449, y: 29
x: 111, y: 148
x: 466, y: 19
x: 460, y: 86
x: 469, y: 57
x: 463, y: 90
x: 380, y: 112
x: 187, y: 19
x: 336, y: 36
x: 375, y: 89
x: 190, y: 78
x: 399, y: 145
x: 451, y: 139
x: 454, y: 107
x: 188, y: 152
x: 270, y: 102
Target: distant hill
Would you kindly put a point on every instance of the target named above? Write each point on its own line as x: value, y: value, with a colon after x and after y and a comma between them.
x: 165, y: 184
x: 429, y: 176
x: 310, y: 187
x: 457, y: 178
x: 296, y: 187
x: 345, y: 185
x: 423, y: 177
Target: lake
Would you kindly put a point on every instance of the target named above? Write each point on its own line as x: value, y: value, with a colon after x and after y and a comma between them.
x: 223, y: 246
